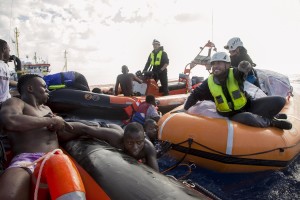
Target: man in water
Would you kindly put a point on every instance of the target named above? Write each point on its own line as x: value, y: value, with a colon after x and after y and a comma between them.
x: 125, y: 81
x: 132, y: 141
x: 33, y: 130
x: 151, y: 129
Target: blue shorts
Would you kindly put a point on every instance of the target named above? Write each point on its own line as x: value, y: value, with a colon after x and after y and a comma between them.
x: 25, y: 158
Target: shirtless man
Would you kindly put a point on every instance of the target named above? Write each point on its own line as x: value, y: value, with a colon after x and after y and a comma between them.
x: 32, y: 129
x: 125, y: 81
x: 133, y: 142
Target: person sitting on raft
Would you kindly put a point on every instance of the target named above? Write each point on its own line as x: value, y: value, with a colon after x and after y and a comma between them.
x: 225, y: 87
x: 146, y: 110
x: 70, y: 79
x: 125, y: 80
x: 238, y: 53
x: 33, y: 131
x: 132, y: 140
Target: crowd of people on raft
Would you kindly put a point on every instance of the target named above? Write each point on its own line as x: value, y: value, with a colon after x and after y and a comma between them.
x: 33, y: 129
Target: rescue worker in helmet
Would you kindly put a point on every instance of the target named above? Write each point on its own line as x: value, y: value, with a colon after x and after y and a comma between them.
x: 159, y: 61
x: 225, y: 87
x: 238, y: 53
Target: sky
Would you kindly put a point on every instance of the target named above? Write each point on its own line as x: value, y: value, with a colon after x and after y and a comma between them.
x: 102, y: 35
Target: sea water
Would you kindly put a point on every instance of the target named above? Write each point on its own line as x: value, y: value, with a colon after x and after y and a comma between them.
x: 280, y: 184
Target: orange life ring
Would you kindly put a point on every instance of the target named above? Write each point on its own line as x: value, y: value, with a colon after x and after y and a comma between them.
x: 59, y: 177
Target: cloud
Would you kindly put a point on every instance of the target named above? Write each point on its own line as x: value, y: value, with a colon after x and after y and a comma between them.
x: 187, y: 17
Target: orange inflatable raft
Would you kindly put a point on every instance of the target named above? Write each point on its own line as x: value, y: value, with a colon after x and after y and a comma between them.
x: 226, y: 146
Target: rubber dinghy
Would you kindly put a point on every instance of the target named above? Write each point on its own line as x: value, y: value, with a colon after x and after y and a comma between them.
x: 222, y: 145
x: 83, y: 104
x: 122, y: 177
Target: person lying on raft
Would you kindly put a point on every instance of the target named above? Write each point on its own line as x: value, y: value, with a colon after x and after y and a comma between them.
x: 33, y: 131
x: 225, y: 87
x: 132, y: 141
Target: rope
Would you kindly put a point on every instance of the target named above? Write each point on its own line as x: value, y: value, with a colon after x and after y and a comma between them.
x: 44, y: 158
x: 190, y: 141
x: 189, y: 171
x: 281, y: 149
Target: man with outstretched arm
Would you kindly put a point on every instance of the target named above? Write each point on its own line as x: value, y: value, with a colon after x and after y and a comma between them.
x: 32, y: 130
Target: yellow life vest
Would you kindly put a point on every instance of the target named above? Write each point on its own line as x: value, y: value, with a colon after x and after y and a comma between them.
x: 157, y: 61
x: 237, y: 96
x: 54, y: 87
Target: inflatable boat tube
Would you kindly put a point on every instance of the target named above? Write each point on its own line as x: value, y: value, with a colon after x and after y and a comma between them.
x: 89, y: 105
x: 122, y: 177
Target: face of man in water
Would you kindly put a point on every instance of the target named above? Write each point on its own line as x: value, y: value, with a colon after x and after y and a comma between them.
x: 134, y: 143
x: 151, y: 130
x: 219, y: 68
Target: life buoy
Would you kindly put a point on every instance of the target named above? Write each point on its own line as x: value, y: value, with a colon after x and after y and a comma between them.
x: 59, y: 177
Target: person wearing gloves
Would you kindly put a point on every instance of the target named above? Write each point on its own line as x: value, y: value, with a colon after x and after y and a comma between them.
x: 238, y: 53
x: 159, y: 61
x: 225, y: 86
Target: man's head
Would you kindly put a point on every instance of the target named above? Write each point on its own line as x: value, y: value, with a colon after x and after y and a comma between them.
x: 220, y: 63
x: 97, y: 90
x: 125, y: 69
x: 34, y: 85
x: 156, y: 44
x: 134, y: 139
x: 151, y: 99
x: 151, y: 129
x: 4, y: 50
x: 233, y: 46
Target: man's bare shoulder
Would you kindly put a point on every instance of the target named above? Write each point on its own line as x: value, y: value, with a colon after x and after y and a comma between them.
x: 13, y: 102
x: 149, y: 147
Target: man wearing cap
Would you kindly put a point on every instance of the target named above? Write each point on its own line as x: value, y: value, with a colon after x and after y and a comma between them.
x: 159, y: 61
x: 225, y: 86
x: 125, y: 81
x: 238, y: 53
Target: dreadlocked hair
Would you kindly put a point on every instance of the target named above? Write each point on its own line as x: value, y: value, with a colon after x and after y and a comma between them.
x: 24, y: 79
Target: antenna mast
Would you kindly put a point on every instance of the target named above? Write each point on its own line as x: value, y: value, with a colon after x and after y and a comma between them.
x: 66, y: 62
x: 17, y: 42
x: 35, y: 58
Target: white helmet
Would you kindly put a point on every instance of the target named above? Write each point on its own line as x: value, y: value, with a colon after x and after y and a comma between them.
x: 233, y: 43
x: 220, y: 56
x: 156, y: 42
